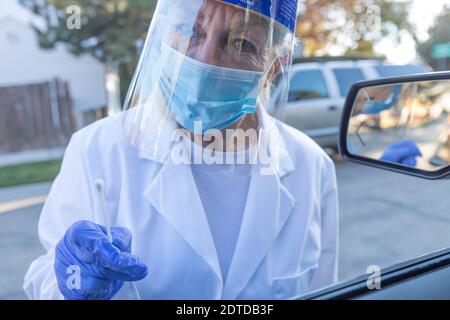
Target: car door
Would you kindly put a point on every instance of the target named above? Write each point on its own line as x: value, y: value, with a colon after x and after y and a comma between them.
x: 394, y: 228
x: 311, y: 107
x: 425, y: 277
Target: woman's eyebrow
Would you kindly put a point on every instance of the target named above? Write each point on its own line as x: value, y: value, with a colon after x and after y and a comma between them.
x: 257, y: 30
x: 252, y: 23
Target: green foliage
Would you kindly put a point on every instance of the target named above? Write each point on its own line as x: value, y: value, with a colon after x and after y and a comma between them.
x: 353, y: 25
x: 439, y: 33
x: 29, y: 173
x: 111, y: 30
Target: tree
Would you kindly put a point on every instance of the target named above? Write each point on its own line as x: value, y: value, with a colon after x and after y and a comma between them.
x: 439, y: 33
x: 353, y: 25
x: 113, y: 31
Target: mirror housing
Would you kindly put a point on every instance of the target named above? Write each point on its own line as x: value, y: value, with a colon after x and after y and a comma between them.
x: 349, y: 114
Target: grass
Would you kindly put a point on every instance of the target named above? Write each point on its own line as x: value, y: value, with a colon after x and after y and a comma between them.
x: 29, y: 173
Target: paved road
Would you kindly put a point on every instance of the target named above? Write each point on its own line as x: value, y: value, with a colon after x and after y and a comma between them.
x: 19, y: 244
x: 385, y: 218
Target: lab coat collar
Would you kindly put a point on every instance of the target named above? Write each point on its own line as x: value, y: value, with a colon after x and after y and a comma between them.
x: 153, y: 136
x: 280, y: 159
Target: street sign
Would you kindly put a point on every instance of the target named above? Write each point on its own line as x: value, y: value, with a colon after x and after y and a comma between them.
x: 440, y: 51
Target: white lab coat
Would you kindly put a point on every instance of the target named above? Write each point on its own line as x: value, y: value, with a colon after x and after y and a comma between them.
x: 287, y: 243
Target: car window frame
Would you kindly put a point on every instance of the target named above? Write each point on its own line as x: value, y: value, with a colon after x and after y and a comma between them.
x: 354, y: 67
x: 376, y: 69
x: 397, y: 273
x: 302, y: 67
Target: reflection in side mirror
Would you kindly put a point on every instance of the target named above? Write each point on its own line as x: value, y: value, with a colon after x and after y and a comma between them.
x: 400, y: 124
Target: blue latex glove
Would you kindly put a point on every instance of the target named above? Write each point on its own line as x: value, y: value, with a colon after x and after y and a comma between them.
x: 103, y: 267
x: 403, y: 152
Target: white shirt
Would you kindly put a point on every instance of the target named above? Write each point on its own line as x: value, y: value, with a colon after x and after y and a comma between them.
x: 223, y: 194
x: 223, y: 189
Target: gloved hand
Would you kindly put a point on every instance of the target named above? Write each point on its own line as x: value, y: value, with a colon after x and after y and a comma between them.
x: 103, y: 267
x: 403, y: 152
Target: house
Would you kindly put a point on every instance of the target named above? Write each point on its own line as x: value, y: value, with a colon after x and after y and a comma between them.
x: 92, y: 90
x: 22, y: 62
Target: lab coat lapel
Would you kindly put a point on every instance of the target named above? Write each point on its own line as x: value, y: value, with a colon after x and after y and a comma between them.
x: 269, y: 204
x: 174, y: 195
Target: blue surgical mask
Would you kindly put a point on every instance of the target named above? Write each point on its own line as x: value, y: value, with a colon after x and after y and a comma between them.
x: 215, y: 96
x: 375, y: 107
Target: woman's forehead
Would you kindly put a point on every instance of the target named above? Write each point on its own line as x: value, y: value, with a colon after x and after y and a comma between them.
x: 229, y: 16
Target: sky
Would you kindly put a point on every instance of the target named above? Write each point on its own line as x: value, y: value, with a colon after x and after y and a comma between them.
x: 13, y: 9
x: 423, y: 13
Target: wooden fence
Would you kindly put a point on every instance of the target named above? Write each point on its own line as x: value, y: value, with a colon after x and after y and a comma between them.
x: 35, y: 116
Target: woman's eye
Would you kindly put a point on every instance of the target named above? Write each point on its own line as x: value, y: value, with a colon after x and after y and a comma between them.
x: 196, y: 33
x: 244, y: 45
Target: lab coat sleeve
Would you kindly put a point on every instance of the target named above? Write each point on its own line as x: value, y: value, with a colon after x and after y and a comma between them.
x: 327, y: 270
x: 69, y: 200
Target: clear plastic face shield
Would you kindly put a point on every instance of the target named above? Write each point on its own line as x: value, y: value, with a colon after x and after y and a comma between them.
x: 208, y: 73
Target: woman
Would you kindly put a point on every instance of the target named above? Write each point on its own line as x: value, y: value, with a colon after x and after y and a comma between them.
x: 222, y: 200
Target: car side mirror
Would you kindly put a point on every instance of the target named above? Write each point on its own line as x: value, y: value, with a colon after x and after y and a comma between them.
x: 399, y: 124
